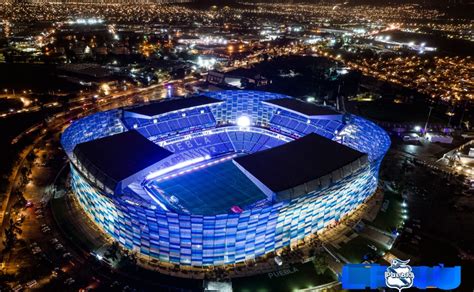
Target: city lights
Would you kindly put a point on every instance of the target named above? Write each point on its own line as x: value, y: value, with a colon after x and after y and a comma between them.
x: 236, y: 145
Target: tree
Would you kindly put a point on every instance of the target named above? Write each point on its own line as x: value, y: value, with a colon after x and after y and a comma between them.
x: 15, y: 226
x: 113, y: 251
x: 25, y: 171
x: 11, y: 232
x: 320, y: 263
x: 129, y: 258
x: 31, y: 157
x: 21, y: 198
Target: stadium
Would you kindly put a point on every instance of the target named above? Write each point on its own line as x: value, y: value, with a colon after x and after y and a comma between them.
x: 223, y: 177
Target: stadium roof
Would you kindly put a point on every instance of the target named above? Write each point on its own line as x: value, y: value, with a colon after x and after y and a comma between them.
x: 297, y: 162
x: 158, y: 108
x: 117, y: 157
x: 302, y: 107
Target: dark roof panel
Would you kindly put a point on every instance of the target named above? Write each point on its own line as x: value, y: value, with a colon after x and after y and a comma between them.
x: 298, y: 162
x: 302, y: 107
x: 120, y: 156
x: 162, y: 107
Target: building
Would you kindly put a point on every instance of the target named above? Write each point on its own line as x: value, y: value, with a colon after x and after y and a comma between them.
x: 221, y: 178
x: 101, y: 2
x: 239, y: 78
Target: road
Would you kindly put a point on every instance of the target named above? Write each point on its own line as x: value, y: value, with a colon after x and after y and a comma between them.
x: 38, y: 189
x: 439, y: 215
x: 57, y: 123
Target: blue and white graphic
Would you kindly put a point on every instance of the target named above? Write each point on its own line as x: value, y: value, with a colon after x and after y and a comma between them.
x: 399, y: 275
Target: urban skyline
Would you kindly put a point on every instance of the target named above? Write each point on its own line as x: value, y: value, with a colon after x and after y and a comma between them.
x: 236, y: 146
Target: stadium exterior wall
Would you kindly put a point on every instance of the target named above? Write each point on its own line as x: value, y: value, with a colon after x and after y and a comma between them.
x: 227, y: 238
x: 222, y: 239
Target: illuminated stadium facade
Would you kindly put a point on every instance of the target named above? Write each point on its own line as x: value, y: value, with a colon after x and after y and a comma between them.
x: 221, y: 178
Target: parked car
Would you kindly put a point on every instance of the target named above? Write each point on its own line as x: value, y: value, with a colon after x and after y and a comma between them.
x: 31, y: 284
x: 36, y: 250
x: 69, y: 281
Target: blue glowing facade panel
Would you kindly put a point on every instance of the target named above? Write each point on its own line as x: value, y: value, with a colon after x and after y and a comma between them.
x: 90, y: 128
x: 221, y: 239
x: 193, y: 239
x: 243, y: 102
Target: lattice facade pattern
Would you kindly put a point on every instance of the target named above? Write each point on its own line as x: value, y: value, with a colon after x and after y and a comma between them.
x: 227, y: 238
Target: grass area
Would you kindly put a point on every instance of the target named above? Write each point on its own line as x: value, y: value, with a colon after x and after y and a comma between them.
x: 296, y: 277
x: 357, y: 248
x: 213, y: 190
x: 391, y: 217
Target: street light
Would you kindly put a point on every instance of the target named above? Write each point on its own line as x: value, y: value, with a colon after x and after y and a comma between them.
x: 450, y: 114
x: 428, y: 119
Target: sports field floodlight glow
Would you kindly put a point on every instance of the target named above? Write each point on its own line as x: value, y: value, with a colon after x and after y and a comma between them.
x: 243, y: 121
x: 177, y: 166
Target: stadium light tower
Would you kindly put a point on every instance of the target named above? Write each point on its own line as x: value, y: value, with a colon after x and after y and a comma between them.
x: 243, y: 121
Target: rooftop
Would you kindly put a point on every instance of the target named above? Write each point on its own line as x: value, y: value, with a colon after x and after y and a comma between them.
x: 158, y: 108
x: 119, y: 156
x: 297, y: 162
x: 302, y: 107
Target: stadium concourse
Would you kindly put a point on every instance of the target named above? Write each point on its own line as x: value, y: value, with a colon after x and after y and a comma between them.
x: 221, y: 178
